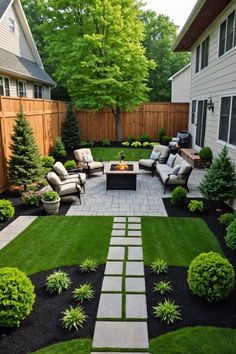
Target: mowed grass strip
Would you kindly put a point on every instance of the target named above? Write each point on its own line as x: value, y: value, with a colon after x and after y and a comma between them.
x: 176, y: 240
x: 55, y: 241
x: 195, y: 340
x: 113, y: 154
x: 78, y: 346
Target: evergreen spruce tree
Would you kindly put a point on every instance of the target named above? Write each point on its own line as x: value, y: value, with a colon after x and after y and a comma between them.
x: 71, y: 130
x: 24, y: 164
x: 219, y: 183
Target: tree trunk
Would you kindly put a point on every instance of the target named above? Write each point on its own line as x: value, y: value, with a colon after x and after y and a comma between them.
x: 117, y: 115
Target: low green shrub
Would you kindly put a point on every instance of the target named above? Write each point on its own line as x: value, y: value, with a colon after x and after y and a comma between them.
x: 196, y: 205
x: 47, y: 163
x: 32, y: 198
x: 89, y: 265
x: 230, y: 237
x: 90, y: 143
x: 50, y: 196
x: 206, y: 153
x: 74, y: 317
x: 145, y: 137
x: 131, y: 139
x: 163, y: 287
x: 166, y: 139
x: 161, y: 132
x: 167, y: 311
x: 227, y: 218
x: 83, y: 143
x: 146, y: 143
x: 7, y: 210
x: 70, y: 165
x: 211, y: 276
x: 16, y: 297
x: 179, y: 196
x: 57, y: 282
x: 159, y: 266
x: 106, y: 142
x: 83, y: 292
x: 125, y: 143
x: 153, y: 143
x: 136, y: 144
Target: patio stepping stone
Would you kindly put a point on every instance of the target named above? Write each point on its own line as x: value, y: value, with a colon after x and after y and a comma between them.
x: 135, y: 285
x: 129, y: 335
x: 119, y: 226
x: 136, y: 306
x: 134, y: 219
x: 110, y: 306
x: 134, y: 233
x: 113, y: 268
x: 125, y: 241
x: 118, y: 233
x: 134, y: 268
x: 134, y: 226
x: 135, y: 253
x: 120, y: 219
x: 112, y: 284
x: 116, y: 253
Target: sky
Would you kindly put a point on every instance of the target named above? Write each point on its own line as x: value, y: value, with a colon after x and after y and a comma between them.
x: 177, y: 10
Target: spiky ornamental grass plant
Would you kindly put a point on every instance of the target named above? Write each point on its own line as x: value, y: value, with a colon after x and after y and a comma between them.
x: 71, y: 129
x: 24, y: 164
x: 83, y: 292
x: 74, y: 317
x: 163, y: 287
x: 159, y: 266
x: 89, y: 265
x: 57, y: 282
x: 167, y: 311
x: 219, y: 183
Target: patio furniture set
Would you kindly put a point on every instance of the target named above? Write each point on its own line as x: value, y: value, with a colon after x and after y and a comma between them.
x: 172, y: 169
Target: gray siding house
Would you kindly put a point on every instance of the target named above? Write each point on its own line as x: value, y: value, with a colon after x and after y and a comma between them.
x: 21, y: 70
x: 180, y: 85
x: 210, y: 35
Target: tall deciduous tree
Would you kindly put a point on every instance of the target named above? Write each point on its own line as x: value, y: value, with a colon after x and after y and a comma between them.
x: 160, y: 33
x: 24, y: 164
x: 97, y: 47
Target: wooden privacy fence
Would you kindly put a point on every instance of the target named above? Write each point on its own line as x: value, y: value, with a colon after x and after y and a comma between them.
x: 147, y: 119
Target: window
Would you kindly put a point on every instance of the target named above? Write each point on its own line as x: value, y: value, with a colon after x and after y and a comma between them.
x: 202, y: 53
x: 227, y: 128
x: 38, y: 91
x: 11, y: 24
x: 4, y: 86
x: 193, y: 116
x: 227, y: 38
x: 21, y: 88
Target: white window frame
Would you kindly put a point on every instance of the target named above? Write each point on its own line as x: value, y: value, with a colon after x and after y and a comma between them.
x: 228, y: 94
x: 25, y: 86
x: 42, y: 90
x: 11, y: 25
x: 234, y: 37
x: 4, y: 85
x: 200, y: 69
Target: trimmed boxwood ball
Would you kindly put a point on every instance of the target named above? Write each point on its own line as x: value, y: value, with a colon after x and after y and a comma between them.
x: 16, y: 297
x: 211, y: 276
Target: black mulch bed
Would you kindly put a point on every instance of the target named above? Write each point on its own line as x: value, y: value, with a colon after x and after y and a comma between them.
x: 195, y: 311
x: 21, y: 209
x: 43, y: 327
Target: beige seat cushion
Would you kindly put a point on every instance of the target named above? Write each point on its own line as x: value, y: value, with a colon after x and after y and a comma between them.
x: 173, y: 178
x: 185, y: 167
x: 83, y: 155
x: 68, y: 188
x: 60, y: 170
x: 162, y: 167
x: 54, y: 180
x: 164, y: 150
x: 178, y: 160
x: 93, y: 165
x: 146, y: 162
x: 75, y: 177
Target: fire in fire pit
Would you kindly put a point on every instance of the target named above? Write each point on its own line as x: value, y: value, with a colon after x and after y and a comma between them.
x: 122, y: 166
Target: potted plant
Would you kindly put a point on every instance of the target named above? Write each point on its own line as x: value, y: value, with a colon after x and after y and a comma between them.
x: 51, y: 202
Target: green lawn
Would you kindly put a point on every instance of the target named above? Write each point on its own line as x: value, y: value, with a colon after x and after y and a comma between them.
x: 196, y: 340
x: 177, y: 240
x: 112, y: 154
x: 55, y: 241
x: 78, y: 346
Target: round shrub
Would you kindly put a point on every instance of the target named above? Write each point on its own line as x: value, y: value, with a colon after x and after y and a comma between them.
x: 131, y: 139
x: 7, y: 210
x: 227, y: 218
x: 211, y: 276
x: 16, y: 297
x: 166, y: 139
x: 230, y: 237
x: 70, y: 165
x: 145, y: 138
x: 179, y: 196
x: 47, y: 162
x: 206, y: 153
x: 161, y: 132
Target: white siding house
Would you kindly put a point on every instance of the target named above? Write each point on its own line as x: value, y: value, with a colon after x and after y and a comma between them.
x: 180, y: 85
x: 210, y: 35
x: 21, y: 69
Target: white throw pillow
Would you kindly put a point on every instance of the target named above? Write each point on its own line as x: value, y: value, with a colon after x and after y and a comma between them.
x: 155, y: 155
x: 171, y: 160
x: 88, y: 158
x: 176, y: 170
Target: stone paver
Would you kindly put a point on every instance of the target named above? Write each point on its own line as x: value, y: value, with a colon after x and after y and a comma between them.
x: 134, y: 268
x: 126, y: 241
x: 134, y: 226
x: 135, y: 233
x: 136, y: 306
x: 135, y: 285
x: 113, y: 268
x: 119, y: 219
x: 112, y: 284
x: 110, y: 306
x: 116, y: 253
x: 129, y: 335
x: 119, y: 225
x: 134, y: 219
x: 118, y: 233
x: 135, y: 253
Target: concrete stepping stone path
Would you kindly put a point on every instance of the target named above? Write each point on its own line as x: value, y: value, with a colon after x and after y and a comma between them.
x: 122, y: 310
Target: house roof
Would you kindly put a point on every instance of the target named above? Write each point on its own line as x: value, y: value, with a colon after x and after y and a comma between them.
x: 3, y: 6
x: 179, y: 72
x: 22, y: 68
x: 202, y: 15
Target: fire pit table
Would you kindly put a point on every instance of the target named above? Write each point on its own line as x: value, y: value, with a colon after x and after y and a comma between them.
x: 121, y: 175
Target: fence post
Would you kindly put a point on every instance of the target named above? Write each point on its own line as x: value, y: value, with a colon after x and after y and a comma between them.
x: 3, y: 143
